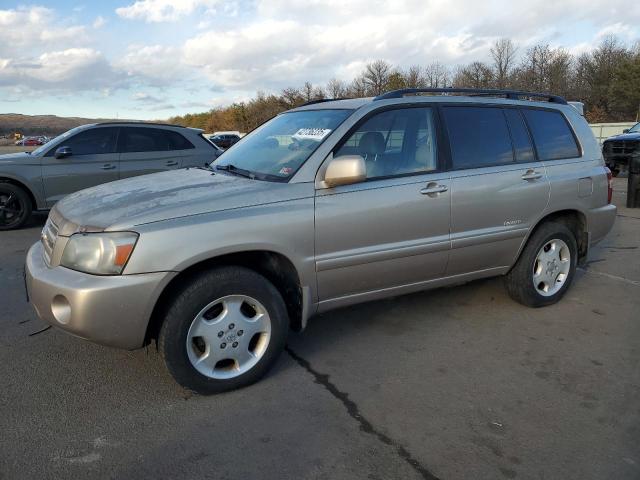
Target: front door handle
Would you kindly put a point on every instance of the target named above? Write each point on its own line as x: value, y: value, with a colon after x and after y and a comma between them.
x: 433, y: 189
x: 531, y: 175
x: 108, y: 166
x: 171, y: 163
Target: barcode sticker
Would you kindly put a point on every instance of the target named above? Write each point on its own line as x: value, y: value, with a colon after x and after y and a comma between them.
x: 316, y: 134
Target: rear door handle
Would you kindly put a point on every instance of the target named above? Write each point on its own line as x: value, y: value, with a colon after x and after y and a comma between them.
x: 108, y: 166
x: 531, y: 175
x: 433, y: 189
x: 171, y: 163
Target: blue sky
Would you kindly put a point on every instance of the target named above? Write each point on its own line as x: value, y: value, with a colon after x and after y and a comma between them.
x: 150, y: 59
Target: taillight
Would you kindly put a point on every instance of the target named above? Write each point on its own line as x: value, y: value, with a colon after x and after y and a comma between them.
x: 609, y: 184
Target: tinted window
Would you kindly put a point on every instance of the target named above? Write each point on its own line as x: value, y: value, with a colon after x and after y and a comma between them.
x: 146, y: 140
x: 395, y: 142
x: 177, y: 141
x: 91, y: 142
x: 478, y: 136
x: 551, y: 135
x: 519, y: 136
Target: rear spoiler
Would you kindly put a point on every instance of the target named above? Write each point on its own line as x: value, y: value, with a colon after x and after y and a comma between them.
x: 579, y: 106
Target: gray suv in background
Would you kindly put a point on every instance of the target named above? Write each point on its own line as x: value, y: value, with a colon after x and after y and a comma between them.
x: 90, y: 155
x: 326, y: 205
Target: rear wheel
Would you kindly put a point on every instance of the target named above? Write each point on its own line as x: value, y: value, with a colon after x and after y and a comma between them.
x: 15, y: 206
x: 224, y: 330
x: 546, y: 267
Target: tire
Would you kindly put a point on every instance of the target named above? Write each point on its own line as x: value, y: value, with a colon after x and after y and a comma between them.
x: 534, y: 271
x: 15, y: 206
x: 214, y: 321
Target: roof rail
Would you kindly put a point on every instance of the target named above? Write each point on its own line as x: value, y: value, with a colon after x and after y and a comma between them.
x: 322, y: 100
x: 510, y: 94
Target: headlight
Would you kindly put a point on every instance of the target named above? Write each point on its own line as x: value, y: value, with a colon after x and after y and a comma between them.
x: 99, y: 253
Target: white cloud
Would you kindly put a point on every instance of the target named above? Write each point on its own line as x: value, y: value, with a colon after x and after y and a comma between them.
x: 155, y: 65
x: 236, y: 47
x: 143, y: 97
x: 99, y: 22
x: 28, y: 28
x: 289, y: 41
x: 65, y: 70
x: 163, y: 10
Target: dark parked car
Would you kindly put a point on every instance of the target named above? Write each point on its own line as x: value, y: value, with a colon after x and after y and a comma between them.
x: 92, y: 154
x: 225, y: 140
x: 619, y: 149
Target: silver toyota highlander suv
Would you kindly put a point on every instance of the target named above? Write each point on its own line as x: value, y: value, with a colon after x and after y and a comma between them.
x: 92, y: 154
x: 326, y: 205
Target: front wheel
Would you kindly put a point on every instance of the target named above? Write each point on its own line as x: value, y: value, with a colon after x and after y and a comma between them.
x: 15, y: 206
x: 223, y: 330
x: 546, y: 267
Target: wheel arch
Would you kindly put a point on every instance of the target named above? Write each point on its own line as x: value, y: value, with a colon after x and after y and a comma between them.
x: 18, y: 183
x: 274, y: 266
x: 574, y: 220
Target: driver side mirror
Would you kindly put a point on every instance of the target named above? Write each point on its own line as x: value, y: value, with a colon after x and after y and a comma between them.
x: 345, y: 170
x: 63, y: 152
x: 626, y: 130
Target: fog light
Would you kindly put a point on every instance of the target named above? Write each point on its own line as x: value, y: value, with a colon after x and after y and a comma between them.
x: 61, y: 309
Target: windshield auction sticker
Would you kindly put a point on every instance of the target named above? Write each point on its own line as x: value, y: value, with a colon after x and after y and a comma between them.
x: 316, y: 134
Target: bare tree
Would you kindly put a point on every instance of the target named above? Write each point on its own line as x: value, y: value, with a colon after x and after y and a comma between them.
x: 474, y: 75
x: 560, y: 72
x: 605, y: 79
x: 503, y: 53
x: 436, y: 75
x: 309, y: 92
x: 414, y: 77
x: 358, y: 87
x: 292, y: 97
x: 376, y: 76
x: 534, y: 70
x: 336, y: 88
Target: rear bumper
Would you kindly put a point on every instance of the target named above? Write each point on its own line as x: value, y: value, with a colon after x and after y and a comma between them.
x: 110, y: 310
x: 600, y: 222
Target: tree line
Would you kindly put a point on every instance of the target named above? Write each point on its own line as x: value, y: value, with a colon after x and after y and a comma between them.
x: 606, y: 80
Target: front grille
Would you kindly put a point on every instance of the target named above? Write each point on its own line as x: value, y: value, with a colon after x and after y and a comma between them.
x: 621, y: 147
x: 48, y: 239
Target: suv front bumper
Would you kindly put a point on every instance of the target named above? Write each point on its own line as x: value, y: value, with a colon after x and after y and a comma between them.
x: 110, y: 310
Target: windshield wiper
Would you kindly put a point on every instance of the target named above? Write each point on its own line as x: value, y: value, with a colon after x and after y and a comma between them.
x: 241, y: 172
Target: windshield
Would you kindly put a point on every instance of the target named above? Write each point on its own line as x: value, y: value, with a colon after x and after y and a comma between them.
x: 43, y: 148
x: 277, y: 149
x: 635, y: 128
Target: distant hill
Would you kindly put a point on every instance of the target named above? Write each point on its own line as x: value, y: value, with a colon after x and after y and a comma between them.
x: 49, y: 125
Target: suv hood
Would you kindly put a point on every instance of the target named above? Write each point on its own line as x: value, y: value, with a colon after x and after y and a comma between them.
x: 624, y: 136
x: 161, y: 196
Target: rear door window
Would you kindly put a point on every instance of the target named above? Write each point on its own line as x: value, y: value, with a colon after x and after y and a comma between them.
x: 479, y: 136
x: 551, y: 133
x: 522, y: 146
x: 145, y: 140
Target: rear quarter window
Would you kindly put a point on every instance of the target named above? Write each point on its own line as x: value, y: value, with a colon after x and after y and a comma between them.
x: 552, y: 135
x: 177, y: 141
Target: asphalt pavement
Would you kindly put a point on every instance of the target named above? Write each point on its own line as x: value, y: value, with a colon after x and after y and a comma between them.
x: 455, y: 383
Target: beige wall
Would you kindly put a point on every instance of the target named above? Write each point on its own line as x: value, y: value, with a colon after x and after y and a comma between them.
x: 602, y: 131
